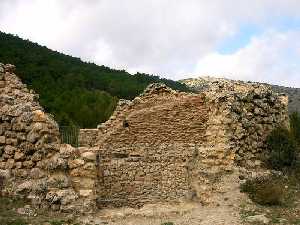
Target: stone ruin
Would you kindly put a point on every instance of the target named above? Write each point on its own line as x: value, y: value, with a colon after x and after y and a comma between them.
x: 33, y: 162
x: 163, y: 146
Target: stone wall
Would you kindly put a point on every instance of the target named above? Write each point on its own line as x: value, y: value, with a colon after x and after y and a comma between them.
x: 32, y: 160
x: 27, y: 134
x: 87, y: 137
x: 167, y: 146
x: 162, y: 146
x: 249, y: 112
x: 241, y: 116
x: 144, y: 151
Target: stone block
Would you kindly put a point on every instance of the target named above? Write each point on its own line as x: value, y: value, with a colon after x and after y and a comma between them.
x: 89, y: 156
x: 67, y: 150
x: 18, y: 165
x: 19, y: 156
x: 2, y: 140
x: 83, y: 183
x: 28, y: 164
x: 79, y: 172
x: 2, y: 84
x: 33, y: 136
x: 12, y: 141
x: 37, y: 173
x: 9, y: 150
x: 5, y: 173
x: 86, y: 193
x: 2, y: 165
x: 75, y: 163
x: 39, y: 116
x: 36, y: 157
x: 89, y: 166
x: 10, y: 163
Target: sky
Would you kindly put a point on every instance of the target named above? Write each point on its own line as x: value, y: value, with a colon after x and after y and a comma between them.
x: 256, y: 40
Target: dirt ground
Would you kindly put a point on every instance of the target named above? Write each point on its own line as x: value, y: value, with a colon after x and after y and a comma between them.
x: 228, y: 207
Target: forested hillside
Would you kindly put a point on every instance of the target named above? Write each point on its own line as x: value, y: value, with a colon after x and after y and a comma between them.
x: 75, y: 92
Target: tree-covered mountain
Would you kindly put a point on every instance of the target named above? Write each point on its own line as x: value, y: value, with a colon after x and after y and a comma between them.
x: 75, y: 92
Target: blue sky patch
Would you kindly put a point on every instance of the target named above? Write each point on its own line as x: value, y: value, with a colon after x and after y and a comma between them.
x: 233, y: 43
x: 239, y: 40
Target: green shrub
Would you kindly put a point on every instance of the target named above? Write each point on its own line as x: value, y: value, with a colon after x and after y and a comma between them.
x: 282, y: 147
x: 265, y: 190
x: 56, y: 222
x: 295, y: 126
x: 18, y: 221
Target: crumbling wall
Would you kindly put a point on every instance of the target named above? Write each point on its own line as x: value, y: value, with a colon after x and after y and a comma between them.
x: 241, y: 116
x: 27, y: 134
x: 144, y: 154
x: 162, y: 146
x: 87, y: 137
x: 32, y: 160
x: 166, y: 146
x: 250, y: 111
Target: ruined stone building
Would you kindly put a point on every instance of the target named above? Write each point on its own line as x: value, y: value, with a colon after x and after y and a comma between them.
x: 164, y: 146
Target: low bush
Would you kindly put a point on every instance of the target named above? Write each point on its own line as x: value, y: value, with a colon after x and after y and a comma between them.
x: 283, y: 148
x: 265, y: 190
x: 295, y: 126
x: 57, y: 222
x: 17, y: 221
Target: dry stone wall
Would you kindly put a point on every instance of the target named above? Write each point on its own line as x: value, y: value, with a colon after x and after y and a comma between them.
x: 144, y: 153
x: 167, y: 146
x: 27, y: 134
x: 249, y: 112
x: 241, y: 116
x: 162, y: 146
x: 33, y: 162
x: 87, y: 137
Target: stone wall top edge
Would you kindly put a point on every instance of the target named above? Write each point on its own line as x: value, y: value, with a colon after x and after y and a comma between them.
x: 88, y: 129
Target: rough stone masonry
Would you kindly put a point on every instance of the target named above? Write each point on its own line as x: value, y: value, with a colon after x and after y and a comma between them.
x: 162, y: 146
x: 33, y: 162
x: 170, y: 146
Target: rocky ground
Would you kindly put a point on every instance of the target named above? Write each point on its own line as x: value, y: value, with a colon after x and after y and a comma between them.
x: 228, y: 207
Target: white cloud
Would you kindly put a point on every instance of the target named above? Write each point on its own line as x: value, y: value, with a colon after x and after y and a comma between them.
x: 273, y: 57
x: 164, y: 37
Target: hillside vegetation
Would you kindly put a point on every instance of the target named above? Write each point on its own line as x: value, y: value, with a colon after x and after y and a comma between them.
x: 75, y: 92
